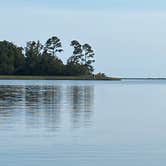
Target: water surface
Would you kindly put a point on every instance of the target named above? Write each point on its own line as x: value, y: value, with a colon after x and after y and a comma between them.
x: 85, y: 123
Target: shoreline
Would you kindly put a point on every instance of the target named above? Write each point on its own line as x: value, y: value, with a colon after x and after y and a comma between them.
x: 74, y: 78
x: 28, y: 77
x: 143, y: 78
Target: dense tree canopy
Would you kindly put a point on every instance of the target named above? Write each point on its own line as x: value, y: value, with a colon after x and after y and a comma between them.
x: 81, y: 61
x: 11, y: 58
x: 43, y: 59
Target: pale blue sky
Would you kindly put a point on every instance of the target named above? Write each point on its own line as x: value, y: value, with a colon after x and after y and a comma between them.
x: 129, y: 36
x: 93, y: 4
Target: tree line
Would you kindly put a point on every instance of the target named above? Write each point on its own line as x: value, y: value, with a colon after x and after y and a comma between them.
x: 43, y: 59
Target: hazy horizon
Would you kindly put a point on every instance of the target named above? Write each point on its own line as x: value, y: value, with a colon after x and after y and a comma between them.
x: 128, y: 37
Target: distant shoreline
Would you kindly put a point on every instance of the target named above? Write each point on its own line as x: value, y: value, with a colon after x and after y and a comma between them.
x: 143, y: 78
x: 90, y: 78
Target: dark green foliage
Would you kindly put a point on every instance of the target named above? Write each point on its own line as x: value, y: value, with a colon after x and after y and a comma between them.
x: 77, y: 53
x: 33, y: 53
x: 88, y: 56
x: 53, y: 45
x: 39, y: 59
x: 100, y: 76
x: 49, y: 65
x: 11, y: 58
x: 76, y: 70
x: 80, y: 63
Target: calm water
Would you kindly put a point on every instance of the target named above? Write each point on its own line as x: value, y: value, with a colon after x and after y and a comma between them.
x: 82, y: 123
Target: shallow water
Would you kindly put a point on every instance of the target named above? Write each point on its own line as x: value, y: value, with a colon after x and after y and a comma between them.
x: 83, y: 123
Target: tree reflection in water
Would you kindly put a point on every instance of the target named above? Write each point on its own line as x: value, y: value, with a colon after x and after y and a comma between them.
x: 45, y: 106
x: 80, y: 104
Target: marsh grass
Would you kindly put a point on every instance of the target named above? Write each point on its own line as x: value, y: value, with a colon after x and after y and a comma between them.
x: 14, y: 77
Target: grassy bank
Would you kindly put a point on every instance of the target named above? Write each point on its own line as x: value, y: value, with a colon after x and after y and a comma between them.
x: 14, y: 77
